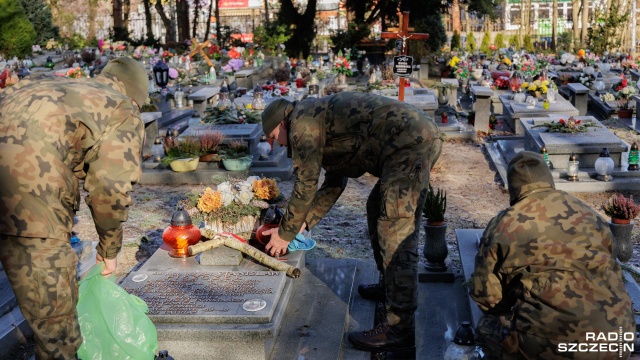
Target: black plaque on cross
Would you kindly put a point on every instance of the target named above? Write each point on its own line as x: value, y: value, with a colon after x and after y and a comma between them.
x: 403, y: 65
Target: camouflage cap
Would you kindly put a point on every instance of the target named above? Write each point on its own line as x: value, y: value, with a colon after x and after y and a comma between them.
x: 133, y: 76
x: 527, y: 171
x: 274, y: 113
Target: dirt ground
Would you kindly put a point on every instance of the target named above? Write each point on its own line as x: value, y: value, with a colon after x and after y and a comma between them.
x: 474, y: 195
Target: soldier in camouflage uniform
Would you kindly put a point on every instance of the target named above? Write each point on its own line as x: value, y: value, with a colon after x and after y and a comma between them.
x: 54, y: 132
x: 348, y: 135
x: 545, y: 274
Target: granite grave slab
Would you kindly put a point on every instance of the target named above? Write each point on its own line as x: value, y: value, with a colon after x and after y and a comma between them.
x: 514, y: 111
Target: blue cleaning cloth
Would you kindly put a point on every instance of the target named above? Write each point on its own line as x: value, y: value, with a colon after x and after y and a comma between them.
x: 74, y: 239
x: 300, y: 243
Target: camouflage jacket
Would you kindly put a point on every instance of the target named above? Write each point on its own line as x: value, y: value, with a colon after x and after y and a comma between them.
x: 552, y: 254
x: 55, y: 131
x: 347, y: 134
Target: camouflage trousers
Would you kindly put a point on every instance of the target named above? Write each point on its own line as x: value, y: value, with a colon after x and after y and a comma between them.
x: 531, y: 347
x: 42, y: 273
x: 394, y: 209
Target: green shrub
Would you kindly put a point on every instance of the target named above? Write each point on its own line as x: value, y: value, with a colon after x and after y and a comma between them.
x: 17, y: 36
x: 514, y: 41
x: 486, y: 42
x: 455, y: 40
x: 39, y: 15
x: 76, y: 41
x: 471, y: 43
x: 527, y: 44
x: 499, y: 41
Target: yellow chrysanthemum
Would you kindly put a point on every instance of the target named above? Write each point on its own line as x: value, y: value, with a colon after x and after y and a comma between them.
x: 524, y: 85
x: 506, y: 61
x: 544, y: 89
x: 532, y: 87
x: 454, y: 61
x: 209, y: 201
x: 545, y: 82
x: 266, y: 189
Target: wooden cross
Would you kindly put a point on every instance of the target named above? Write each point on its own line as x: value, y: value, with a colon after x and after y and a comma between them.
x: 403, y: 33
x: 199, y: 49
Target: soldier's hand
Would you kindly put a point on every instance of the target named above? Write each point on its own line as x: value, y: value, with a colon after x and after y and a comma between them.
x: 110, y: 265
x: 276, y: 246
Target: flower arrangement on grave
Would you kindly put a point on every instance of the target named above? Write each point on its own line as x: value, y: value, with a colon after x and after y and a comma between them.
x: 52, y: 44
x: 232, y: 66
x: 581, y: 53
x: 628, y: 64
x: 215, y: 52
x: 586, y: 80
x: 591, y: 59
x: 624, y: 92
x: 232, y: 205
x: 620, y: 207
x: 166, y: 55
x: 507, y: 61
x: 235, y: 53
x: 567, y: 59
x: 570, y: 125
x: 536, y: 86
x: 453, y: 63
x: 502, y: 82
x: 229, y: 115
x: 543, y: 60
x: 607, y: 97
x: 529, y: 68
x: 185, y: 148
x: 75, y: 73
x: 342, y: 65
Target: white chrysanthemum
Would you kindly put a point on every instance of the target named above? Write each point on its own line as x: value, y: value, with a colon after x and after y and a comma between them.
x: 224, y: 187
x: 244, y: 197
x: 227, y: 198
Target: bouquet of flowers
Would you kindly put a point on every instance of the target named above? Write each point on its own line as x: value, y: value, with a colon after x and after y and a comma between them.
x: 232, y: 66
x: 543, y: 60
x: 625, y: 90
x: 570, y: 125
x: 586, y: 80
x: 529, y: 68
x: 502, y: 82
x: 607, y: 97
x: 591, y: 59
x: 75, y: 73
x: 342, y: 66
x: 462, y: 70
x: 233, y: 199
x: 453, y: 63
x: 52, y: 44
x: 534, y: 86
x: 567, y: 59
x: 214, y: 50
x: 166, y: 55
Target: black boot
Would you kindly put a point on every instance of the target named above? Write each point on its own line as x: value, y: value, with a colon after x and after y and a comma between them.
x: 383, y: 338
x: 373, y: 292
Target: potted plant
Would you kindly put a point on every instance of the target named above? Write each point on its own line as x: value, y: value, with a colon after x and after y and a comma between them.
x: 624, y: 93
x: 236, y: 156
x: 209, y: 143
x: 435, y: 247
x: 182, y: 154
x: 622, y: 211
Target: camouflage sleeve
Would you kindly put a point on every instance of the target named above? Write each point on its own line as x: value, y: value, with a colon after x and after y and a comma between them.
x: 329, y: 192
x: 306, y: 141
x: 486, y: 287
x: 113, y: 166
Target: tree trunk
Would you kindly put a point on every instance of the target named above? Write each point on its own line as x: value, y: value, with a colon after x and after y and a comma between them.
x: 585, y: 22
x: 182, y: 11
x: 126, y: 4
x: 455, y: 16
x: 218, y: 32
x: 147, y: 18
x: 170, y: 32
x: 523, y: 24
x: 575, y: 10
x: 117, y: 13
x: 93, y: 14
x: 208, y: 28
x: 467, y: 25
x: 266, y: 11
x: 196, y: 11
x: 554, y: 24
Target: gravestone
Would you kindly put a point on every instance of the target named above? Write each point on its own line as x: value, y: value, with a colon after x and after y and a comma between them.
x: 579, y: 97
x: 515, y: 111
x: 150, y: 120
x: 214, y: 312
x: 586, y: 145
x: 425, y: 102
x: 244, y: 78
x: 482, y: 106
x: 250, y: 133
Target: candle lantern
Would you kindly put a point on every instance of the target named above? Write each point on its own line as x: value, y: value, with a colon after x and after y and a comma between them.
x: 633, y: 157
x: 157, y: 150
x: 545, y: 155
x: 161, y: 73
x: 264, y: 148
x: 178, y: 97
x: 604, y: 166
x: 258, y: 99
x: 181, y: 234
x: 224, y: 101
x: 49, y: 64
x: 572, y: 168
x: 23, y: 72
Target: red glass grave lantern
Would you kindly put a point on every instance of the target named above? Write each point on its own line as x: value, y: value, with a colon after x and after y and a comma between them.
x: 181, y: 234
x: 515, y: 82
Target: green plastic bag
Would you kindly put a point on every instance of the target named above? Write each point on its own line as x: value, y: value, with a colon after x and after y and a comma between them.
x: 113, y: 323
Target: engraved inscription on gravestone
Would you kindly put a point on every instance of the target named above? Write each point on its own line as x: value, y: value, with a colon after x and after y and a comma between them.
x: 200, y: 293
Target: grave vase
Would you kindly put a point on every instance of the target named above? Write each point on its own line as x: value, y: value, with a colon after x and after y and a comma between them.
x: 342, y: 79
x: 435, y: 247
x: 625, y: 113
x: 622, y: 246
